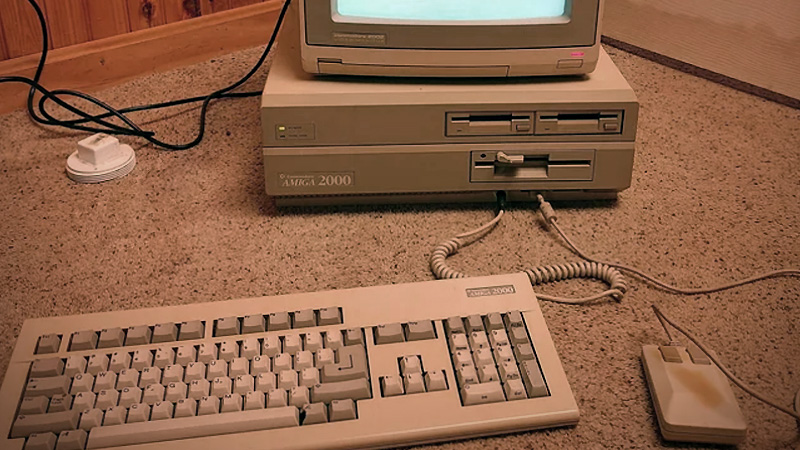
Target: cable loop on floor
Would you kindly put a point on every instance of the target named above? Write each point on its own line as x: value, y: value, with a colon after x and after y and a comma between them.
x: 582, y: 269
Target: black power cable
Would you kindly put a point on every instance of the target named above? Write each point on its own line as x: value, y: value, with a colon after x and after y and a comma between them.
x: 97, y: 123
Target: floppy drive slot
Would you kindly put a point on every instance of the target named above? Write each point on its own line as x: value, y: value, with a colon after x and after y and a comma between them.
x: 505, y: 166
x: 489, y: 124
x: 578, y: 122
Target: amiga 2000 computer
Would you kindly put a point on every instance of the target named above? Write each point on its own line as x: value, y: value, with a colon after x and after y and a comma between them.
x: 355, y: 139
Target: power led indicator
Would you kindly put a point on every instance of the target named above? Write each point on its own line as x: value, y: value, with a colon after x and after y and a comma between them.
x: 281, y: 128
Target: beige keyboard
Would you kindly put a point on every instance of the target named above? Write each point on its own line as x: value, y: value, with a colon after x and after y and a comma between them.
x: 362, y: 368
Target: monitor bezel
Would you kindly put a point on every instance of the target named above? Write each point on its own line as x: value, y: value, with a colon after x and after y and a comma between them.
x: 579, y: 30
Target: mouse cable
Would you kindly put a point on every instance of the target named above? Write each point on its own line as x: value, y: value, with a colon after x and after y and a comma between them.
x: 537, y: 275
x: 550, y: 218
x: 130, y: 128
x: 758, y: 395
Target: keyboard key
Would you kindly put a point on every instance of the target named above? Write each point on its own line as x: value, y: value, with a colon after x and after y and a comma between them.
x: 238, y: 366
x: 493, y: 321
x: 82, y: 382
x: 216, y: 368
x: 161, y: 411
x: 508, y: 370
x: 119, y: 361
x: 111, y: 337
x: 304, y: 319
x: 142, y: 359
x: 334, y: 341
x: 206, y: 353
x: 315, y: 413
x: 130, y: 396
x: 467, y: 375
x: 165, y: 356
x: 478, y: 340
x: 90, y: 419
x: 47, y: 367
x: 299, y: 396
x: 60, y: 403
x: 26, y: 425
x: 221, y: 386
x: 227, y: 326
x: 149, y: 375
x: 194, y: 427
x: 312, y: 341
x: 231, y: 403
x: 482, y: 357
x: 186, y: 354
x: 473, y: 323
x: 171, y: 373
x: 488, y: 373
x: 357, y: 389
x: 498, y: 338
x: 392, y: 385
x: 47, y: 386
x: 518, y: 335
x: 513, y: 320
x: 271, y: 346
x: 420, y: 330
x: 330, y: 316
x: 414, y: 383
x: 97, y: 363
x: 83, y: 340
x: 353, y: 336
x: 352, y: 365
x: 515, y: 390
x: 194, y: 371
x: 309, y: 377
x: 266, y: 382
x: 109, y: 397
x: 324, y: 357
x: 175, y: 391
x: 138, y: 335
x: 342, y: 410
x: 254, y: 323
x: 228, y: 350
x: 207, y: 406
x: 458, y: 342
x: 152, y: 393
x: 259, y: 365
x: 524, y: 352
x: 254, y: 400
x: 34, y: 405
x: 534, y: 382
x: 287, y: 379
x: 139, y: 412
x: 194, y: 329
x: 199, y: 389
x: 250, y: 348
x: 435, y: 380
x: 454, y: 325
x: 165, y: 332
x: 303, y: 360
x: 75, y: 364
x: 186, y: 407
x: 71, y: 440
x: 410, y: 364
x: 388, y: 334
x: 41, y: 441
x: 277, y: 398
x: 479, y: 394
x: 278, y: 321
x: 292, y: 344
x: 281, y: 362
x: 243, y: 384
x: 84, y: 401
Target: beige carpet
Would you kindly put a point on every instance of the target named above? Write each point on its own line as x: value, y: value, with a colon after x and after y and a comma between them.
x: 714, y: 198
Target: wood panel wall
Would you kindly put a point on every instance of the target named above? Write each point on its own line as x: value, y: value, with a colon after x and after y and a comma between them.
x: 73, y: 22
x: 757, y: 42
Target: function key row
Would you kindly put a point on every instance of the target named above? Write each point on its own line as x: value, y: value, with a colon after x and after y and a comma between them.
x: 136, y: 335
x: 277, y: 321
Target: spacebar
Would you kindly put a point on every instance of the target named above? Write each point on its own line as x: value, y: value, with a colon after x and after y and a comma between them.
x: 192, y: 427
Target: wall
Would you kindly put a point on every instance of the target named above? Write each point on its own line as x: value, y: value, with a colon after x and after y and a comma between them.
x: 73, y: 22
x: 757, y: 42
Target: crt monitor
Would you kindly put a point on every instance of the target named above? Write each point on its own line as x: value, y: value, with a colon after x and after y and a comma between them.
x: 450, y: 38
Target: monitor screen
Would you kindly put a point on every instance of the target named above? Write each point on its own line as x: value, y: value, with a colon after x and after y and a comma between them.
x: 448, y: 11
